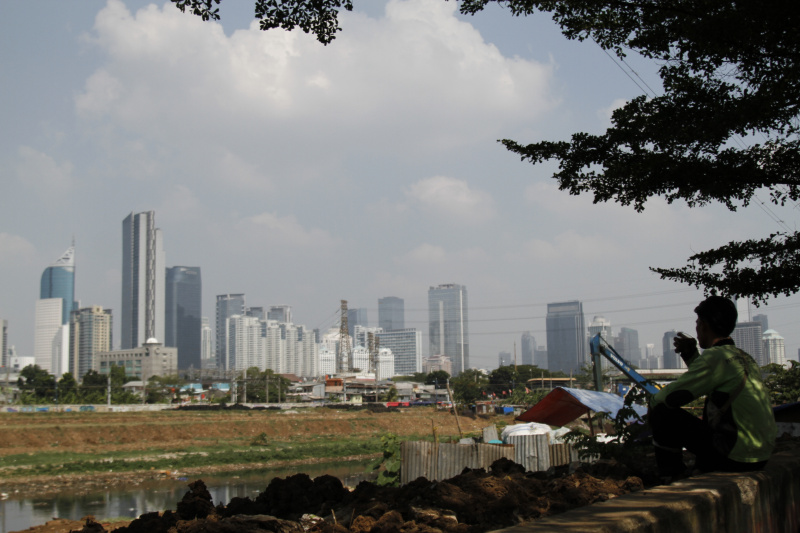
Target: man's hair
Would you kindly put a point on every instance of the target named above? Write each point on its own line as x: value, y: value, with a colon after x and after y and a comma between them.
x: 719, y: 313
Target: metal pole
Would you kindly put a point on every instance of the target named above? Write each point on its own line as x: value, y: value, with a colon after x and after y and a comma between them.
x: 108, y: 394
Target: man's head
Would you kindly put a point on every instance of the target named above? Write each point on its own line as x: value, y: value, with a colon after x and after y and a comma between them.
x: 718, y: 315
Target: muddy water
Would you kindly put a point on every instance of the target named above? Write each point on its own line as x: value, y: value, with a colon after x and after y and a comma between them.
x: 19, y: 514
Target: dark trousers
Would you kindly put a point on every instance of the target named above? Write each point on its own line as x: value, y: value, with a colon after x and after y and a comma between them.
x: 675, y: 429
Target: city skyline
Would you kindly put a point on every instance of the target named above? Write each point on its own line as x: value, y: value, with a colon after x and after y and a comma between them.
x: 303, y: 174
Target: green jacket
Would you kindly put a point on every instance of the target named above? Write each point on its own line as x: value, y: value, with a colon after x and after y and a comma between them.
x: 743, y: 429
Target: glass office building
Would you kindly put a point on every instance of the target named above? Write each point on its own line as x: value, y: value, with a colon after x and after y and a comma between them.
x: 448, y: 324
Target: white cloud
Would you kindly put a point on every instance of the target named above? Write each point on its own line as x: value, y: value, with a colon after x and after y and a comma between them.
x: 417, y: 78
x: 43, y: 173
x: 15, y: 249
x: 452, y: 199
x: 605, y: 112
x: 270, y: 228
x: 571, y: 246
x: 425, y: 254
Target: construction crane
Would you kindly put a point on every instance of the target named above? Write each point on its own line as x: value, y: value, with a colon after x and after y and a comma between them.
x: 598, y: 347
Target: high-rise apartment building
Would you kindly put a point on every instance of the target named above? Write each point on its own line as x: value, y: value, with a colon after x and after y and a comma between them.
x: 391, y: 313
x: 749, y: 337
x: 58, y: 281
x: 89, y: 334
x: 280, y: 313
x: 448, y: 324
x: 671, y: 358
x: 774, y: 347
x: 228, y: 305
x: 566, y: 337
x: 183, y: 315
x: 406, y: 347
x: 143, y: 280
x: 245, y: 343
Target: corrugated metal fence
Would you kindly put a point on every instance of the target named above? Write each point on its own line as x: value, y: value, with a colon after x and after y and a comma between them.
x: 438, y: 461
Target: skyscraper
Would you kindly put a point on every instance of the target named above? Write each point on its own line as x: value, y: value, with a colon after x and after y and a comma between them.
x: 228, y: 305
x: 89, y: 334
x: 356, y: 317
x: 183, y: 313
x: 143, y: 280
x: 391, y: 313
x: 528, y: 348
x: 566, y: 337
x: 671, y: 358
x: 58, y: 281
x: 56, y: 300
x: 628, y: 345
x: 448, y: 324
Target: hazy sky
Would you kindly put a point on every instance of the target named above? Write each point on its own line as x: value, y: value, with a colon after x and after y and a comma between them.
x: 304, y: 174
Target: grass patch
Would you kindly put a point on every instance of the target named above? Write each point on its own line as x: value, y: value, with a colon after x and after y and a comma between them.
x: 50, y: 463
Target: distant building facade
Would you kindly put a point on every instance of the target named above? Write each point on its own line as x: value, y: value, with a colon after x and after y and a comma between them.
x: 143, y: 280
x: 280, y: 313
x: 58, y: 281
x: 504, y: 359
x: 227, y: 306
x: 627, y: 344
x: 437, y: 362
x: 566, y: 337
x: 90, y: 333
x: 774, y: 347
x: 527, y: 349
x: 51, y: 337
x: 150, y: 359
x: 406, y: 347
x: 448, y: 324
x: 749, y: 337
x: 391, y: 313
x: 356, y: 317
x: 671, y: 358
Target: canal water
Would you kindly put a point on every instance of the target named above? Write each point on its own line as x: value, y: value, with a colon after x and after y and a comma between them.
x: 131, y: 502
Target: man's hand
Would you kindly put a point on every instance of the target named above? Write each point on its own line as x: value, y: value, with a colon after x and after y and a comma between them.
x: 684, y: 344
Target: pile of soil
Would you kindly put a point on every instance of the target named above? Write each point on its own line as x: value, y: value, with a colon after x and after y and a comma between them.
x: 471, y: 502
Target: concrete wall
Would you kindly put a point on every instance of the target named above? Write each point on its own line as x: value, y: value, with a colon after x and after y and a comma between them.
x: 767, y: 501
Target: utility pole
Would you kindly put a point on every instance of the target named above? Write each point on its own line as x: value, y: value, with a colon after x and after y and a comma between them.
x: 108, y: 393
x: 266, y: 394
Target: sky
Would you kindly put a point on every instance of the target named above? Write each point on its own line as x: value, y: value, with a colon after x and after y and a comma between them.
x: 302, y: 174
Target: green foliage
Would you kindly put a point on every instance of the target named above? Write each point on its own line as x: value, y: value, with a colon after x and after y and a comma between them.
x: 390, y: 395
x: 783, y: 384
x: 468, y: 386
x: 260, y: 440
x: 36, y: 385
x: 623, y: 446
x: 389, y: 462
x: 439, y: 377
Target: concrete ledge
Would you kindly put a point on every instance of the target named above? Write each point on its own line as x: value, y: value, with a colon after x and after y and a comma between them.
x: 767, y: 501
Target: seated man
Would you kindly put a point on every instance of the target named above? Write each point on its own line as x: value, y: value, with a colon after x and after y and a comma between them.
x: 738, y: 431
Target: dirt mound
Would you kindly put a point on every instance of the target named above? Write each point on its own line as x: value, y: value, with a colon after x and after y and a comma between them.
x: 471, y: 502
